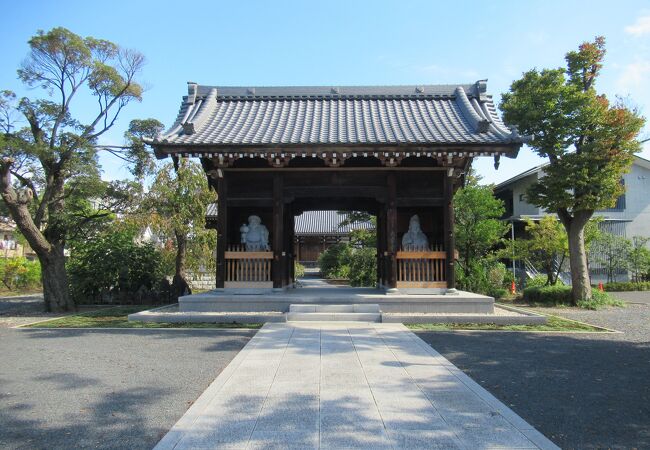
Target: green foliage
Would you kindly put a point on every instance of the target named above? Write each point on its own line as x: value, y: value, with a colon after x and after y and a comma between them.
x: 50, y: 170
x: 20, y: 273
x: 479, y: 231
x: 175, y: 209
x: 478, y: 226
x: 639, y: 258
x: 548, y: 295
x: 112, y: 261
x: 343, y: 261
x: 485, y: 276
x: 335, y: 261
x: 600, y: 300
x: 363, y: 267
x: 622, y: 286
x: 537, y: 281
x: 589, y: 143
x: 547, y: 246
x: 561, y: 295
x: 612, y: 253
x: 298, y: 270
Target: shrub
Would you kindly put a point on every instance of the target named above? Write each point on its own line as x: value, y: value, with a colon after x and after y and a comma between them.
x: 627, y: 286
x: 298, y: 270
x: 548, y: 295
x: 483, y: 277
x: 110, y: 262
x: 20, y: 273
x: 599, y: 300
x: 537, y: 281
x: 363, y: 267
x: 332, y: 261
x: 498, y: 293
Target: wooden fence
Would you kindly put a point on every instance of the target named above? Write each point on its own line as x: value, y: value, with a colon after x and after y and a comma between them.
x: 422, y: 269
x: 248, y: 269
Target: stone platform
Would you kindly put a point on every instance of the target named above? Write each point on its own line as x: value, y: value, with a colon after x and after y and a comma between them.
x: 399, y: 302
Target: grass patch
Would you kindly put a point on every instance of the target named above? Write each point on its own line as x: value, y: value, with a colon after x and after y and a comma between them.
x: 118, y: 318
x: 553, y: 323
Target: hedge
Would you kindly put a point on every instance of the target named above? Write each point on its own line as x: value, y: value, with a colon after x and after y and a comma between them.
x: 627, y: 286
x: 554, y: 295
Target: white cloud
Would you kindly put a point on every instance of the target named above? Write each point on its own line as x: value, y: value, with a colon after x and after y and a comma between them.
x: 640, y: 27
x: 635, y: 76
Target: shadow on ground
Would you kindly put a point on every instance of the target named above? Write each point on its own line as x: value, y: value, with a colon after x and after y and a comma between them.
x: 583, y: 391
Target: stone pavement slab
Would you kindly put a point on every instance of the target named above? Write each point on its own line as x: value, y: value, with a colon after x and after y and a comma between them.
x: 343, y: 385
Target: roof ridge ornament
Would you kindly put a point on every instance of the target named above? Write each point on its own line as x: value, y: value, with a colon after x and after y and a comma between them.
x: 481, y: 89
x: 477, y: 122
x: 192, y: 91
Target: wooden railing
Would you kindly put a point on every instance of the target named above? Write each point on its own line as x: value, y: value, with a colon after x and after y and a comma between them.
x: 422, y: 269
x: 248, y: 269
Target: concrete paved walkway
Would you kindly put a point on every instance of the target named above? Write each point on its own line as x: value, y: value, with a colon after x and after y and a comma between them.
x: 326, y: 385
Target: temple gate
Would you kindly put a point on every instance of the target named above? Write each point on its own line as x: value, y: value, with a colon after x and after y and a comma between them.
x: 398, y: 153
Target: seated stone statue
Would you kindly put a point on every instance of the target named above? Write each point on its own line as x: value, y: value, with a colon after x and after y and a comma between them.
x: 255, y: 235
x: 414, y: 239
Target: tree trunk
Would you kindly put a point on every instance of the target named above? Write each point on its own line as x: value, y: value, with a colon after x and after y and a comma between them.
x: 581, y: 283
x: 181, y: 252
x: 180, y: 286
x: 55, y: 281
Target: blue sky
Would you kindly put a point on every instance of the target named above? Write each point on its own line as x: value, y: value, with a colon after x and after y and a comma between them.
x: 342, y: 43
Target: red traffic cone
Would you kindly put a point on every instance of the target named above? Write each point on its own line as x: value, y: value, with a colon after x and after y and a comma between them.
x: 601, y: 288
x: 513, y: 288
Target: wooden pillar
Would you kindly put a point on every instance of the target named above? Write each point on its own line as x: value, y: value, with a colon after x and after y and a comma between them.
x: 222, y: 229
x: 450, y: 239
x: 391, y: 232
x: 381, y: 245
x: 278, y: 232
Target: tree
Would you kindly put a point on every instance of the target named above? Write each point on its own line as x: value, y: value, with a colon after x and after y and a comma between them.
x: 589, y: 144
x: 478, y: 230
x: 178, y: 199
x: 49, y: 167
x: 612, y: 253
x: 639, y: 258
x: 547, y: 246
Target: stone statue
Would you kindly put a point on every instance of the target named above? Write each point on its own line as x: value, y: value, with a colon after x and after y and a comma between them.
x: 414, y: 239
x: 255, y: 235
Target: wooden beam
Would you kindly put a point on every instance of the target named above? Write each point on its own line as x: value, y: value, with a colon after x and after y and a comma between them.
x: 222, y: 230
x: 450, y: 238
x: 391, y: 231
x: 278, y: 232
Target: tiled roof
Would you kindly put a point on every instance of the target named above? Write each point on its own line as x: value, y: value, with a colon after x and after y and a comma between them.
x: 392, y: 115
x: 313, y: 222
x: 326, y: 222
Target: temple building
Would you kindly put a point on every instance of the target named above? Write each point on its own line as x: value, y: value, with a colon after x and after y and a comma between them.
x: 396, y: 152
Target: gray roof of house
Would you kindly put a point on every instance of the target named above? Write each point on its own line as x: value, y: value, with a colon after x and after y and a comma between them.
x: 226, y: 116
x: 313, y: 223
x: 326, y: 222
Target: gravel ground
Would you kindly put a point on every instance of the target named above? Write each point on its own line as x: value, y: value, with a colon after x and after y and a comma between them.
x: 21, y: 310
x: 583, y: 391
x: 62, y: 389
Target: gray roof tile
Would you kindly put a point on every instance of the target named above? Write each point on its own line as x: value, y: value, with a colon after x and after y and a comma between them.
x: 367, y: 115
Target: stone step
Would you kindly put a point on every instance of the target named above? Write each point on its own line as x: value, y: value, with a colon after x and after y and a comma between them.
x: 333, y: 317
x: 317, y: 308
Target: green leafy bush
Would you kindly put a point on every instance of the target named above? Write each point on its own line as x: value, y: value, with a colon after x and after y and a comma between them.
x: 599, y: 300
x: 298, y: 270
x: 537, y: 281
x: 363, y: 267
x: 335, y: 261
x: 110, y: 262
x: 483, y: 277
x: 627, y: 286
x: 20, y: 273
x: 548, y: 295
